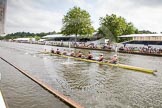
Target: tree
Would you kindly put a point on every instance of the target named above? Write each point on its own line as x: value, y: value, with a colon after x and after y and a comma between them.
x: 146, y: 32
x: 130, y: 29
x: 37, y: 38
x: 1, y: 38
x: 113, y: 26
x: 27, y: 34
x: 77, y: 22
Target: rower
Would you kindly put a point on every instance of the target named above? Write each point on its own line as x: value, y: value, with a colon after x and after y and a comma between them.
x: 89, y: 55
x: 64, y: 52
x: 72, y: 53
x: 79, y: 54
x: 114, y: 59
x: 101, y: 57
x: 83, y: 56
x: 58, y: 51
x: 52, y: 51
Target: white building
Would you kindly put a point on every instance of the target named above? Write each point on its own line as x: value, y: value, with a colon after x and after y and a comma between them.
x: 144, y: 37
x: 140, y: 40
x: 24, y: 40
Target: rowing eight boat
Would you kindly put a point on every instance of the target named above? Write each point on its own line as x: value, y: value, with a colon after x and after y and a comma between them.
x: 150, y: 71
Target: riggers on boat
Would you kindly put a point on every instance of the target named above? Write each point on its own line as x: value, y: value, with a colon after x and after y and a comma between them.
x: 150, y: 71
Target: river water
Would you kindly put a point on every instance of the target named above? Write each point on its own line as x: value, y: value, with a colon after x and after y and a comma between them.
x: 92, y: 85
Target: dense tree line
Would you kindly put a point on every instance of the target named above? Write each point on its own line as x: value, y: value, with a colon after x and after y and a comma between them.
x: 146, y: 32
x: 26, y: 35
x: 1, y: 38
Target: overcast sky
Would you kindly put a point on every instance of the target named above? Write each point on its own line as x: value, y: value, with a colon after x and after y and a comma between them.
x: 46, y: 15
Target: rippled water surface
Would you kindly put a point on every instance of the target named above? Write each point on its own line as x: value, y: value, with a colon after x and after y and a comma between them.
x: 90, y: 84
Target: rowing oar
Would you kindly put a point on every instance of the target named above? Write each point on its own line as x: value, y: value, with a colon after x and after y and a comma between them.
x: 65, y: 99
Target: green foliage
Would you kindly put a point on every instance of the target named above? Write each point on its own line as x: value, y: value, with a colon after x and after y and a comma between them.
x: 146, y: 32
x: 27, y: 35
x: 37, y: 38
x: 1, y: 38
x: 113, y: 26
x: 130, y: 29
x: 77, y: 22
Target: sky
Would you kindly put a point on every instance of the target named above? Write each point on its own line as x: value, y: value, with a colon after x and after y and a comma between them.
x: 46, y: 15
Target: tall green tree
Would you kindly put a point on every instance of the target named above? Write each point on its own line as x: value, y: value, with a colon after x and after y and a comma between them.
x: 112, y: 26
x: 77, y: 22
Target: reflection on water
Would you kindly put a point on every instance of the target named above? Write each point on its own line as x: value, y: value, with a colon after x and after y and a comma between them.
x: 91, y: 84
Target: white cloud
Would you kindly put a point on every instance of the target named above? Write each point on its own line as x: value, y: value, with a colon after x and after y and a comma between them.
x: 143, y: 17
x: 25, y: 16
x: 46, y: 15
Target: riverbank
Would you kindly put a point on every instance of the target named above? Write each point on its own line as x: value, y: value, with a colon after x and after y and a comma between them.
x: 109, y: 49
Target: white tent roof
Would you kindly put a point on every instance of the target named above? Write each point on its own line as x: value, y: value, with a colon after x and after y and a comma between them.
x: 142, y: 35
x: 22, y: 39
x: 57, y: 35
